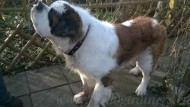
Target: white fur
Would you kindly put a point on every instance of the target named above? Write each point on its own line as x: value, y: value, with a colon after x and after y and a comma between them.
x: 100, y: 96
x: 127, y: 23
x: 87, y: 80
x: 59, y: 9
x: 145, y: 63
x: 155, y: 23
x: 136, y: 70
x: 101, y: 43
x: 78, y: 98
x: 88, y: 86
x: 40, y: 21
x: 95, y: 58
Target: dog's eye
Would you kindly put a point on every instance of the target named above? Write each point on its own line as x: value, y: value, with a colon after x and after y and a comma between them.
x: 54, y: 17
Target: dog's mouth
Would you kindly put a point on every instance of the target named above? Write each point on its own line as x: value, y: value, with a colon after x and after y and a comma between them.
x: 38, y: 16
x: 39, y: 6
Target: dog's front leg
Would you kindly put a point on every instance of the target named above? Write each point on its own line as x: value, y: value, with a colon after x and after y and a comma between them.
x: 100, y: 96
x: 88, y: 86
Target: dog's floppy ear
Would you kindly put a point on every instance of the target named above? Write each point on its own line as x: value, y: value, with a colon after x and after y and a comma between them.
x: 66, y: 24
x: 53, y: 17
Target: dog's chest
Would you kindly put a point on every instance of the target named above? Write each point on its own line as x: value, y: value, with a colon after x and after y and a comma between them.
x: 94, y: 65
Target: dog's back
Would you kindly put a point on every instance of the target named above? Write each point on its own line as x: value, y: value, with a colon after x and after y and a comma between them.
x: 138, y: 34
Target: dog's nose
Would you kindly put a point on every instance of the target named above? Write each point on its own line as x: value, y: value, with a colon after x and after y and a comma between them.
x: 40, y: 5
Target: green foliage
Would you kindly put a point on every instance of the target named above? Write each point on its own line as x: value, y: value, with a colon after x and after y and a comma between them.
x: 105, y: 15
x: 8, y: 22
x: 12, y: 3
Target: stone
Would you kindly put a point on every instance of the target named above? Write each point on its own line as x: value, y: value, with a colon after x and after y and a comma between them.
x: 45, y: 78
x: 26, y: 101
x: 76, y: 87
x: 57, y: 97
x: 70, y: 75
x: 17, y: 84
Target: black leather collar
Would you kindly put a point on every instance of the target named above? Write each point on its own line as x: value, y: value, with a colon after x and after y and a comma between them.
x: 77, y: 46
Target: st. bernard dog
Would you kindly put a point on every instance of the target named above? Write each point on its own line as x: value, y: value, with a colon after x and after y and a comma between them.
x: 95, y: 49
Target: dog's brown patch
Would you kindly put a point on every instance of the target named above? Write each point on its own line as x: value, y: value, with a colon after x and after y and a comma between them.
x: 66, y: 24
x: 108, y: 79
x: 85, y: 96
x: 160, y: 45
x: 136, y: 38
x: 76, y: 19
x: 55, y: 20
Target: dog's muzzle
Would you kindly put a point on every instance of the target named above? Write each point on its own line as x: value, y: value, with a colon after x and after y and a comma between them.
x: 39, y: 6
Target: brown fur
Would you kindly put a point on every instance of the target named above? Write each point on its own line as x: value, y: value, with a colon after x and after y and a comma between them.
x: 108, y: 79
x: 76, y: 19
x: 136, y: 38
x: 85, y: 96
x: 75, y: 27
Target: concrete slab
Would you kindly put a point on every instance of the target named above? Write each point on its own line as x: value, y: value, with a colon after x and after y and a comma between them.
x: 134, y: 101
x: 17, y: 85
x: 26, y: 101
x: 70, y: 75
x: 49, y: 90
x: 58, y: 97
x: 44, y: 78
x: 157, y: 77
x: 76, y: 87
x: 164, y: 62
x: 125, y: 84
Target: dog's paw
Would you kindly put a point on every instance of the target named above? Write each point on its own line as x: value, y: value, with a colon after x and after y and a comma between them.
x: 134, y: 71
x: 141, y: 91
x: 80, y: 98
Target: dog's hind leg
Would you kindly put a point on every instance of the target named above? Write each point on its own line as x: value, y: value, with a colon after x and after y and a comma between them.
x: 146, y: 64
x: 135, y: 70
x: 148, y: 61
x: 88, y: 86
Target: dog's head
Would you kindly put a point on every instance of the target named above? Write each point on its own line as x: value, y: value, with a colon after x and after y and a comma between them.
x: 59, y: 19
